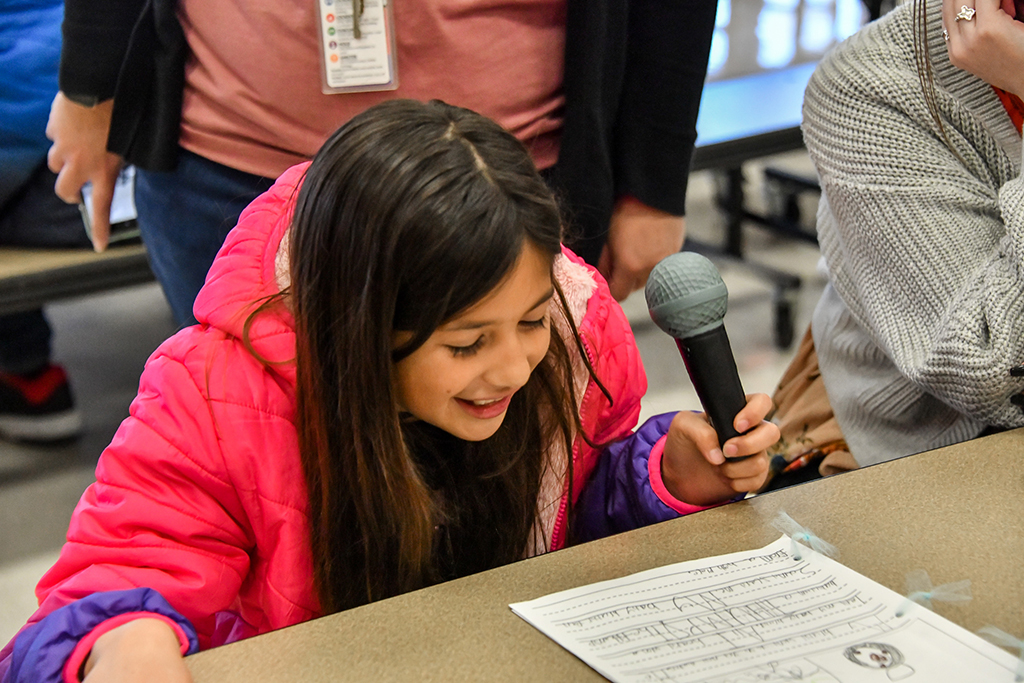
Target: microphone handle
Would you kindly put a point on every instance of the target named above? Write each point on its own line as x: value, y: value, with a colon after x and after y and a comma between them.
x: 712, y: 369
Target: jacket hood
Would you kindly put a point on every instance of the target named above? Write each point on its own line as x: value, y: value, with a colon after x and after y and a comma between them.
x: 251, y: 266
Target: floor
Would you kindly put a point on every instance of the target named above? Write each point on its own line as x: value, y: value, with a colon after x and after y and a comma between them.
x: 104, y: 340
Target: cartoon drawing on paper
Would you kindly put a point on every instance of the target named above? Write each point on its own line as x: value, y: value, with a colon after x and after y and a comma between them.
x: 880, y: 656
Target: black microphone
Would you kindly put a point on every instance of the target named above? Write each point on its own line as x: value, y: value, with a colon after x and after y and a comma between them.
x: 687, y: 299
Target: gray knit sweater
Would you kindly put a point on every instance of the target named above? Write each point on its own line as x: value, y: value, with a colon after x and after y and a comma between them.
x: 924, y: 313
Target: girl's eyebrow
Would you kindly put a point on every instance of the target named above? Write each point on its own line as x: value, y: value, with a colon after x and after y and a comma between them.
x: 477, y: 324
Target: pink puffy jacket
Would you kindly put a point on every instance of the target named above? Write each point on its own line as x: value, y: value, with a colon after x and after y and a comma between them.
x: 200, y: 496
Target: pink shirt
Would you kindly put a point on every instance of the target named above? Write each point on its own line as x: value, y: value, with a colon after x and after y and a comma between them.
x: 253, y: 97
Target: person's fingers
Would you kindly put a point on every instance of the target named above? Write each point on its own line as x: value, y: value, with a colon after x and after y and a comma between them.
x: 967, y: 14
x: 747, y: 467
x: 991, y: 14
x: 69, y: 182
x: 746, y: 475
x: 51, y: 122
x: 604, y: 262
x: 986, y: 41
x: 621, y: 280
x: 621, y: 283
x: 79, y: 154
x: 986, y: 9
x: 954, y: 22
x: 749, y: 484
x: 949, y: 10
x: 54, y: 159
x: 953, y: 12
x: 695, y: 428
x: 753, y: 441
x: 102, y: 198
x: 757, y: 407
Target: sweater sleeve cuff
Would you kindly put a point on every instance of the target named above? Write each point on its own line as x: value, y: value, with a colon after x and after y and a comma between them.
x: 658, y: 485
x: 74, y: 663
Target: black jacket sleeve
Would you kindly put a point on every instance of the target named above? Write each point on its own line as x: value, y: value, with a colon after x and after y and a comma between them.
x: 666, y: 63
x: 95, y: 35
x: 135, y: 52
x: 634, y: 72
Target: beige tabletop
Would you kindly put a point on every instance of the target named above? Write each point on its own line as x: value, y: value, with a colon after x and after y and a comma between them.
x: 957, y: 513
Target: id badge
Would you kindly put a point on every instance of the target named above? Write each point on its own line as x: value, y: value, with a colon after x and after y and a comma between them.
x: 357, y: 41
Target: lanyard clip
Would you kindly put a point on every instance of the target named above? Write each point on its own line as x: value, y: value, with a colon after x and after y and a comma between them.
x: 357, y: 12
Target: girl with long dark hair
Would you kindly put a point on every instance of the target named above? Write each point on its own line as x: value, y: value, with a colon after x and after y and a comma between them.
x: 399, y: 377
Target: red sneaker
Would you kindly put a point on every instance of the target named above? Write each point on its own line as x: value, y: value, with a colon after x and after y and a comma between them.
x: 38, y: 407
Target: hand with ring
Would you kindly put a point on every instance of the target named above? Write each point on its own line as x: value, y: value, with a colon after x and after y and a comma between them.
x: 986, y: 40
x: 966, y: 13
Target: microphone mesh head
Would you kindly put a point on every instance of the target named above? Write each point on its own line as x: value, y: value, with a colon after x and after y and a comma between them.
x: 686, y: 295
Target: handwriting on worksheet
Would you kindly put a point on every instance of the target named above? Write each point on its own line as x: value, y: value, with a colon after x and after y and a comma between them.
x: 754, y: 617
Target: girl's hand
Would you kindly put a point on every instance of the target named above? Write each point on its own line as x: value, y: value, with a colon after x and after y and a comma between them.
x: 696, y: 471
x: 990, y: 45
x: 142, y: 650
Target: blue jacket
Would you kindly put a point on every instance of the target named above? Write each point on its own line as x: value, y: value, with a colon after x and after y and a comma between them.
x: 30, y: 43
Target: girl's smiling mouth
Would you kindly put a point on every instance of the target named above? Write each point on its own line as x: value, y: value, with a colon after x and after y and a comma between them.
x: 487, y: 408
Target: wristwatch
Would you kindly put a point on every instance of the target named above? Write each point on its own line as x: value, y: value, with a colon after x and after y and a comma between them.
x: 83, y: 100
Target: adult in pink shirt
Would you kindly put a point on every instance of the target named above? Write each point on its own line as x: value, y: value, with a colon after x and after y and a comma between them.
x: 213, y: 100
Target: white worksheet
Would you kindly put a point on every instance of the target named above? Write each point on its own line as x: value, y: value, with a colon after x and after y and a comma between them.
x: 761, y: 616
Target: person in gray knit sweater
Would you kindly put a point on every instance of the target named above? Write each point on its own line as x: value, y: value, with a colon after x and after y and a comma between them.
x: 921, y: 225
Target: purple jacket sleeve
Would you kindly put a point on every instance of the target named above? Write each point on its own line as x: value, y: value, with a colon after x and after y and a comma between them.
x: 41, y: 650
x: 619, y: 495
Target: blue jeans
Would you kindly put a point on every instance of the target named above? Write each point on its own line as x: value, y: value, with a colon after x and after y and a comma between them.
x: 184, y: 216
x: 33, y: 216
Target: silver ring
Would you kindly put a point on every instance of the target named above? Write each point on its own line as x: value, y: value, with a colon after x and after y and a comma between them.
x: 966, y: 13
x: 945, y: 35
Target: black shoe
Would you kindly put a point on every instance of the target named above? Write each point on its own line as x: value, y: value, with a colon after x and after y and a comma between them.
x: 38, y: 407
